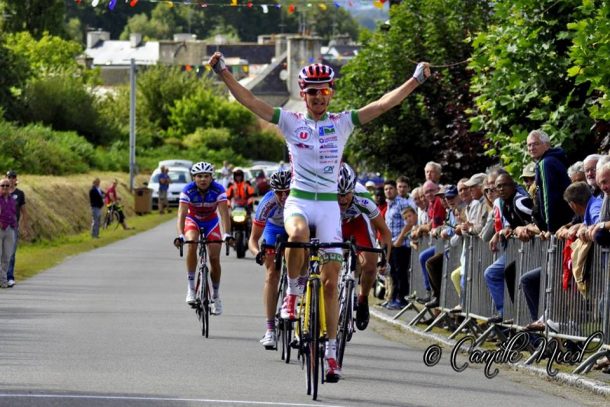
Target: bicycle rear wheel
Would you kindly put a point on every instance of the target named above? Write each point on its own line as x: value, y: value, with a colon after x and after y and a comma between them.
x: 314, y: 332
x: 345, y: 317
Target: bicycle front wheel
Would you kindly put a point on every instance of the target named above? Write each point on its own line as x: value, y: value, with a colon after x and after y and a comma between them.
x: 203, y: 297
x: 345, y: 317
x: 314, y: 332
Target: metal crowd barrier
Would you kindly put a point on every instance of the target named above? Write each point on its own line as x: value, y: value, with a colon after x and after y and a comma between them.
x: 569, y: 315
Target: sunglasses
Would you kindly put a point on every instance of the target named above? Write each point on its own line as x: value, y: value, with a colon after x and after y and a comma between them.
x: 315, y: 91
x: 5, y: 185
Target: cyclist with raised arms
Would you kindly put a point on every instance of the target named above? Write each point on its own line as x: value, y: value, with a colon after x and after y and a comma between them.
x: 269, y: 223
x: 197, y: 211
x: 359, y: 215
x: 316, y: 141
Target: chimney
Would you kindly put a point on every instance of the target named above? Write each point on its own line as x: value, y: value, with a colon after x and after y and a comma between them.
x: 94, y: 37
x: 135, y: 40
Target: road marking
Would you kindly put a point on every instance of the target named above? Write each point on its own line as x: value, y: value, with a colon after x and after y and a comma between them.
x: 136, y: 398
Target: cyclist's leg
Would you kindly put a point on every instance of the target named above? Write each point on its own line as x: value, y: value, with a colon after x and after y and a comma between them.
x: 212, y: 232
x: 191, y: 232
x: 297, y: 228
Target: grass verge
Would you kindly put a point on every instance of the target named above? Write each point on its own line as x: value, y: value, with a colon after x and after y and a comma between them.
x: 32, y: 258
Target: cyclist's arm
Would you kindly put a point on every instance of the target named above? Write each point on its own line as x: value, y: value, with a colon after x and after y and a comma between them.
x: 183, y: 209
x: 390, y: 99
x: 386, y: 237
x: 223, y: 210
x: 243, y: 95
x: 255, y: 236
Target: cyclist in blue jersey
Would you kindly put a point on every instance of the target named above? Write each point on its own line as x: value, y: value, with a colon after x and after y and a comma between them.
x: 199, y: 202
x: 316, y: 141
x: 268, y: 223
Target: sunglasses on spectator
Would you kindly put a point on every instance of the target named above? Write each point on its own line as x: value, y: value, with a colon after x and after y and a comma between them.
x: 316, y: 91
x: 4, y: 185
x: 488, y: 190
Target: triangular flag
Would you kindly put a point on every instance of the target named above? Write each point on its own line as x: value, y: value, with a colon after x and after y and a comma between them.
x: 112, y: 4
x: 291, y: 9
x: 233, y: 3
x: 323, y: 6
x: 94, y: 3
x: 133, y: 3
x: 265, y: 8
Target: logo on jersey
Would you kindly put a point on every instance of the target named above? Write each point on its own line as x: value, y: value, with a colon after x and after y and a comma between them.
x: 327, y: 139
x: 329, y: 169
x: 303, y: 133
x: 330, y: 145
x: 324, y: 130
x: 305, y: 146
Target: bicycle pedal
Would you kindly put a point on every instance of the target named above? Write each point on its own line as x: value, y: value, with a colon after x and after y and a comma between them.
x: 270, y: 347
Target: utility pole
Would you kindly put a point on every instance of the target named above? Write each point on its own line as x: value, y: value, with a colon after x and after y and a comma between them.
x: 132, y: 123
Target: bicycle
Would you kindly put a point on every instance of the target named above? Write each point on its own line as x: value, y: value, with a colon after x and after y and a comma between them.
x: 347, y: 283
x: 112, y: 216
x: 311, y: 332
x: 203, y: 299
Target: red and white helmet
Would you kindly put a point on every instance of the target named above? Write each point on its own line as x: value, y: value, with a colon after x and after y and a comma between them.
x: 316, y: 73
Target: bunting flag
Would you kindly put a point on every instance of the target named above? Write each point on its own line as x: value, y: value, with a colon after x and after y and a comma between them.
x: 291, y: 8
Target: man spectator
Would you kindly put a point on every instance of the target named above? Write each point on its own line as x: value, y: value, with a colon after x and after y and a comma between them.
x: 589, y: 165
x: 601, y: 231
x: 96, y: 200
x: 422, y: 205
x: 400, y: 255
x: 433, y: 172
x: 371, y: 187
x: 402, y: 186
x: 528, y: 176
x: 576, y: 172
x: 164, y: 182
x: 516, y: 211
x: 225, y: 174
x: 550, y: 210
x: 8, y: 226
x: 19, y: 198
x: 240, y: 192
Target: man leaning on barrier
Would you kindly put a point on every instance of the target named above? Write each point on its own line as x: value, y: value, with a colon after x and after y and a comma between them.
x: 601, y: 231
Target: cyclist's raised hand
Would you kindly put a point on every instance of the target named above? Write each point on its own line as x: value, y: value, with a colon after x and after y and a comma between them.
x: 260, y: 257
x: 179, y: 241
x: 422, y: 72
x: 217, y: 63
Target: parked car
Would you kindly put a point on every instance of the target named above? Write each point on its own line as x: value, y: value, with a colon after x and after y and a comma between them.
x: 179, y: 174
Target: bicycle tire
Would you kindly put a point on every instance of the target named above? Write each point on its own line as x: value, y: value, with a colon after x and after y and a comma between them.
x: 107, y: 220
x: 345, y: 314
x: 314, y: 343
x: 204, y: 298
x: 115, y: 220
x: 280, y: 325
x: 305, y: 356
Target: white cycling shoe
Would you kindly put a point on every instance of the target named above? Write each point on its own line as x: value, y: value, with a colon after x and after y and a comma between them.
x: 190, y: 297
x: 216, y: 306
x: 269, y: 341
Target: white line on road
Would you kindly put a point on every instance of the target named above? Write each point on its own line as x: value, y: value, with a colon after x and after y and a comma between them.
x: 135, y: 398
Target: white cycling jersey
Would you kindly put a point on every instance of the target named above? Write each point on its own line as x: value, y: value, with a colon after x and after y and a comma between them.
x: 316, y: 148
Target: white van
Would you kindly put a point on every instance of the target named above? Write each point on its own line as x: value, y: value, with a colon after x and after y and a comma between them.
x: 179, y: 174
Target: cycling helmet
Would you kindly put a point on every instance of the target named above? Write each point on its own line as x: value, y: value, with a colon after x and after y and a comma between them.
x: 316, y: 73
x: 280, y: 181
x: 347, y: 179
x: 202, y: 168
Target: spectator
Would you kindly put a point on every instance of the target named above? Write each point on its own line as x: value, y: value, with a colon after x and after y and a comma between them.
x: 550, y: 211
x: 436, y: 216
x: 379, y: 196
x: 422, y: 206
x: 371, y: 187
x: 433, y: 172
x: 96, y: 200
x: 516, y: 211
x: 164, y: 182
x: 601, y: 231
x: 434, y: 265
x: 8, y: 227
x: 465, y: 199
x: 261, y: 186
x: 225, y: 174
x: 113, y: 200
x: 19, y: 198
x: 528, y: 176
x: 282, y: 167
x: 400, y: 255
x: 576, y: 172
x: 589, y: 165
x: 402, y: 186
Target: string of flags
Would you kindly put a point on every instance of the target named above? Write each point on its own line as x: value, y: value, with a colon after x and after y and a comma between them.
x: 291, y: 7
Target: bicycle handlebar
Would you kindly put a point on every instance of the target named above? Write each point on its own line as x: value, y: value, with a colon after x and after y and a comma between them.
x: 204, y: 241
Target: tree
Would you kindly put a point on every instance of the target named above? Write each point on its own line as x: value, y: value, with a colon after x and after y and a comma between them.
x: 35, y: 16
x: 431, y: 124
x: 15, y: 71
x: 520, y: 66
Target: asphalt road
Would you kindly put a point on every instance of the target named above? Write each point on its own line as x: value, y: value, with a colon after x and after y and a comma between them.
x: 110, y: 328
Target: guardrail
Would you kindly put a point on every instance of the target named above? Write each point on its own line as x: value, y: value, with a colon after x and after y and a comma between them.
x: 569, y: 313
